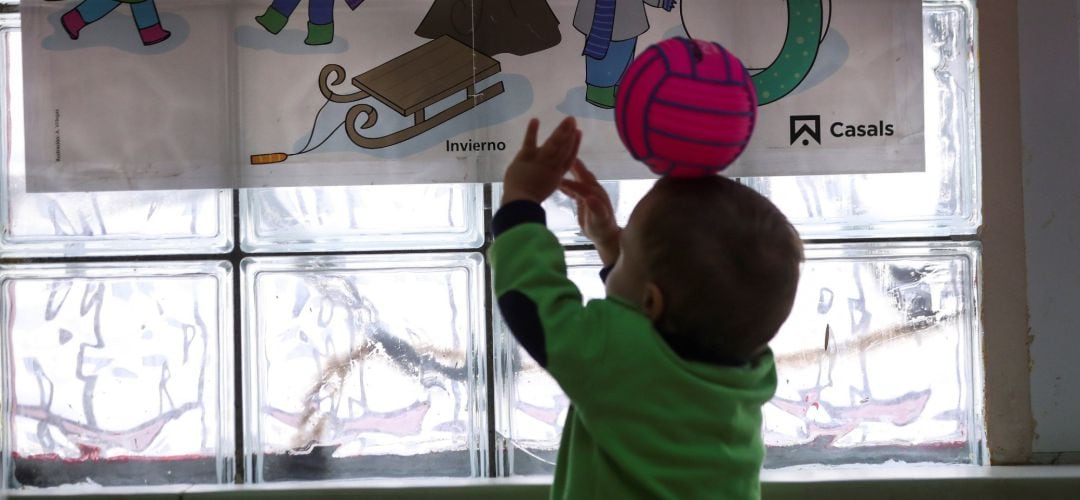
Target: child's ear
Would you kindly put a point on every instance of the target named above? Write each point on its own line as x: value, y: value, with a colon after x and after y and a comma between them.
x: 653, y: 302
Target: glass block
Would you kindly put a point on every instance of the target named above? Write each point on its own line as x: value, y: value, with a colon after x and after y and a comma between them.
x: 877, y: 362
x: 117, y: 374
x: 104, y: 223
x: 365, y: 366
x: 562, y: 211
x: 530, y: 408
x: 943, y: 200
x: 359, y: 218
x: 896, y: 380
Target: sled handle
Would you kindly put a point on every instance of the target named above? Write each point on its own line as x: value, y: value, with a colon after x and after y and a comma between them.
x: 267, y: 159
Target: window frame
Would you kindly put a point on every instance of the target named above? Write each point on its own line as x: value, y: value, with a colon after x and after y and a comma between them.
x: 1000, y: 235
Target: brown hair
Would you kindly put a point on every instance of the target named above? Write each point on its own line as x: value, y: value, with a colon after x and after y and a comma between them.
x: 727, y: 262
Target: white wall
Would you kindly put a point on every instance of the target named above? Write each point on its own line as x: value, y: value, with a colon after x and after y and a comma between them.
x: 1049, y: 32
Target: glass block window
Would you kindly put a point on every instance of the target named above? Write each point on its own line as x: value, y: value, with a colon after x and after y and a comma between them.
x: 422, y: 400
x: 945, y: 200
x: 562, y: 211
x: 365, y: 366
x: 876, y: 361
x: 118, y: 374
x: 334, y: 218
x: 304, y: 334
x: 912, y: 304
x: 875, y: 364
x: 530, y: 406
x: 81, y: 224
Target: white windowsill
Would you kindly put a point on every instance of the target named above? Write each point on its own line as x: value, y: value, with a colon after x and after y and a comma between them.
x: 834, y: 483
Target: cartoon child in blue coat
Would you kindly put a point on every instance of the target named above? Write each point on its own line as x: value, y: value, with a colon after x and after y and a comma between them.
x: 612, y: 28
x: 89, y: 11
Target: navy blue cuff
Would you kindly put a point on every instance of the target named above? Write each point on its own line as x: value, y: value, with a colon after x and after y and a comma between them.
x: 605, y: 272
x: 515, y: 213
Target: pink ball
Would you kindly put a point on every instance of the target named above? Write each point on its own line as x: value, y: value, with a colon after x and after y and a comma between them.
x: 686, y: 108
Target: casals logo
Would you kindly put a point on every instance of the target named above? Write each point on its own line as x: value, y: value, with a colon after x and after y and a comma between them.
x: 806, y: 126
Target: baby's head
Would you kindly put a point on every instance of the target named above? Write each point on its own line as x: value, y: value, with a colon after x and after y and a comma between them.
x: 713, y: 263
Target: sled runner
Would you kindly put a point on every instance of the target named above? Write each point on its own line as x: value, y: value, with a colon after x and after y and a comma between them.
x: 409, y: 84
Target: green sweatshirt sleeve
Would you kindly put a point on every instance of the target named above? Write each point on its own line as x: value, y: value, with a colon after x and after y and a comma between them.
x: 542, y: 307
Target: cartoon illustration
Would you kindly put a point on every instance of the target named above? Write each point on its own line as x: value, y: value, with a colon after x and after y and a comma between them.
x: 320, y: 18
x: 458, y: 55
x: 777, y: 69
x: 408, y: 84
x: 89, y: 11
x: 611, y: 28
x: 521, y: 27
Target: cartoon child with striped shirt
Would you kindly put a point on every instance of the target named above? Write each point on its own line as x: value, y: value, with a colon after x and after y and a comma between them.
x: 611, y: 28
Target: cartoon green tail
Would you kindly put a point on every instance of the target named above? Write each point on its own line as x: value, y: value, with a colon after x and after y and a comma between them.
x: 797, y: 57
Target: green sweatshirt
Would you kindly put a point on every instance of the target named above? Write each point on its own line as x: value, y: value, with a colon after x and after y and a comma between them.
x: 644, y: 423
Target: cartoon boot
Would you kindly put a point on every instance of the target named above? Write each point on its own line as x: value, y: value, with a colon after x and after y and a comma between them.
x: 273, y: 20
x: 153, y: 34
x: 601, y: 97
x: 319, y: 34
x: 73, y: 23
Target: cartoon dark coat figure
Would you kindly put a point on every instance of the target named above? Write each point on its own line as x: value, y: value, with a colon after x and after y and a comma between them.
x: 611, y: 28
x: 89, y: 11
x: 320, y: 18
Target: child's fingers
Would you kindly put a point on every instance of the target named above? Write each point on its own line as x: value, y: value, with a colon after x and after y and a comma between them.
x: 571, y: 193
x: 589, y: 175
x: 584, y: 186
x: 569, y: 190
x: 553, y: 138
x: 568, y: 124
x: 599, y: 208
x: 590, y: 202
x: 578, y: 188
x: 563, y: 149
x: 531, y: 133
x: 583, y: 174
x: 571, y: 154
x: 560, y: 140
x: 575, y: 170
x: 579, y: 202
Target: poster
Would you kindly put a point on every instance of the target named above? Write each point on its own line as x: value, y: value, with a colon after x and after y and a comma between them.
x: 177, y: 94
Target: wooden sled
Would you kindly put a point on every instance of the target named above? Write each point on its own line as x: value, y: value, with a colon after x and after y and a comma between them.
x: 409, y: 84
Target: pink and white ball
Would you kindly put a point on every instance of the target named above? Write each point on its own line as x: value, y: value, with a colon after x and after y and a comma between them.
x: 686, y: 108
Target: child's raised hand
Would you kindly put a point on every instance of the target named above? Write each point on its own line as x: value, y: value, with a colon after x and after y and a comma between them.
x: 595, y: 213
x: 535, y: 172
